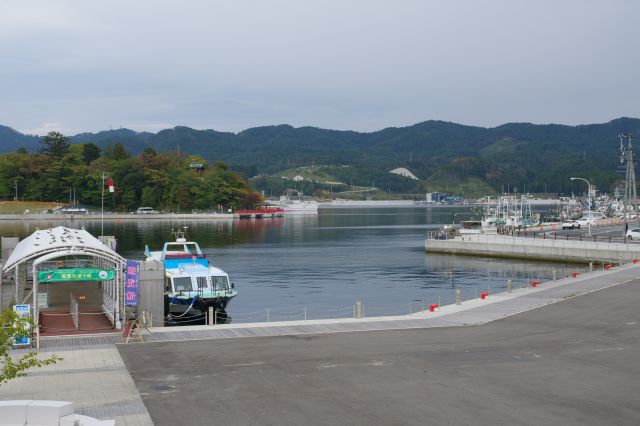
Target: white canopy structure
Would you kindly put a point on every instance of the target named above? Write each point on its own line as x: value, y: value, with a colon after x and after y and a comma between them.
x: 48, y: 244
x: 59, y: 239
x: 401, y: 171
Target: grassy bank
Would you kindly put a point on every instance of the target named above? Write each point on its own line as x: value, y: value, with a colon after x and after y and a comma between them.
x: 13, y: 207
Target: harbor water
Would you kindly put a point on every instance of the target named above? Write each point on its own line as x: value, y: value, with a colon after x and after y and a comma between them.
x: 320, y: 265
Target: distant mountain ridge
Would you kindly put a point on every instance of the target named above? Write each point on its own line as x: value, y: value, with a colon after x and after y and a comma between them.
x: 537, y: 154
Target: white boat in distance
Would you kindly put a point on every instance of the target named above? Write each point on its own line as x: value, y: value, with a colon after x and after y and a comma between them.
x: 294, y: 202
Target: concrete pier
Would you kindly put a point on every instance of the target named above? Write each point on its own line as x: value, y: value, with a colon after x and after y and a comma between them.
x: 551, y: 249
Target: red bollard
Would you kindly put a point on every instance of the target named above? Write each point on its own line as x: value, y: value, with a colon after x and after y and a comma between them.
x: 535, y: 283
x: 575, y: 274
x: 432, y: 307
x: 483, y: 295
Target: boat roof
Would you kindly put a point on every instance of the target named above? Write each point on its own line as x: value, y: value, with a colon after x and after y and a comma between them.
x: 195, y: 269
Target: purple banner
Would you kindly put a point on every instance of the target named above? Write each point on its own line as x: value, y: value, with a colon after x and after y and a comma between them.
x: 131, y: 283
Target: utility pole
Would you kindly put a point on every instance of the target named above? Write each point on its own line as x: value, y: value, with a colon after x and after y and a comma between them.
x: 630, y: 195
x: 16, y: 200
x: 104, y: 175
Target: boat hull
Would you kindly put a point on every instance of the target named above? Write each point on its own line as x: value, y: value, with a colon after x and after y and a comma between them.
x: 183, y: 311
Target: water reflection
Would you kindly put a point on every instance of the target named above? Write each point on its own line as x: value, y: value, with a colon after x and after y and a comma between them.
x: 326, y: 262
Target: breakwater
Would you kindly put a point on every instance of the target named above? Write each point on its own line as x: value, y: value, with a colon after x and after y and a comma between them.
x: 550, y: 249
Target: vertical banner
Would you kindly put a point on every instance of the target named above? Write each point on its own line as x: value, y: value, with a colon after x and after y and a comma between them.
x: 24, y: 311
x: 131, y: 283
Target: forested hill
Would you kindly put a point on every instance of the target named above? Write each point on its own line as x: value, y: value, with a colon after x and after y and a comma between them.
x: 540, y: 156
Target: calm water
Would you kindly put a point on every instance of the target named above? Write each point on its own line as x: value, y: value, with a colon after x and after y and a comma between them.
x: 329, y: 261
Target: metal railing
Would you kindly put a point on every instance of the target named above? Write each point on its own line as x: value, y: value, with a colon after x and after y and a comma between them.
x: 439, y: 235
x: 417, y: 308
x: 540, y: 235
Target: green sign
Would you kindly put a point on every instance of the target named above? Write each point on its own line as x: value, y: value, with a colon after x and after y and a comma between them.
x: 76, y: 274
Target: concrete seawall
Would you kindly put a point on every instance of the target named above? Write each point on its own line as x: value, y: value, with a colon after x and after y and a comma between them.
x: 535, y: 249
x: 122, y: 216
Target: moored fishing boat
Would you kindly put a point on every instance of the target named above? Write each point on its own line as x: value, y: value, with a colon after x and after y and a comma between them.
x: 192, y: 284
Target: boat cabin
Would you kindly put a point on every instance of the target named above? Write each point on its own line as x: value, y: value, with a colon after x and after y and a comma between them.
x: 188, y: 279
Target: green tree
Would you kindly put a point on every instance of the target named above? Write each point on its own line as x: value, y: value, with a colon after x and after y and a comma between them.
x: 116, y: 152
x: 55, y: 145
x: 16, y: 366
x: 149, y: 156
x: 90, y: 152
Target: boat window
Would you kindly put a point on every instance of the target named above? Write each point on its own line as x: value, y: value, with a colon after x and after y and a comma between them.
x: 179, y: 248
x: 220, y: 283
x: 182, y: 284
x: 202, y: 282
x: 190, y: 248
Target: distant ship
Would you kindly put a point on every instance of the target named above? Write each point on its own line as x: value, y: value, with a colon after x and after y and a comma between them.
x: 293, y: 202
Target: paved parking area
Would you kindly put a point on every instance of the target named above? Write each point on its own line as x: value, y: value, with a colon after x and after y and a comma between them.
x: 573, y: 362
x: 94, y: 378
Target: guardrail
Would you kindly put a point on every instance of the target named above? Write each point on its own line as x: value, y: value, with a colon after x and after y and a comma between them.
x: 359, y: 310
x: 568, y: 237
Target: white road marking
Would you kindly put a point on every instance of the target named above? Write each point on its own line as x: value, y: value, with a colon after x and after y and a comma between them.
x: 377, y: 363
x: 250, y: 364
x: 599, y: 350
x: 328, y: 366
x: 607, y: 349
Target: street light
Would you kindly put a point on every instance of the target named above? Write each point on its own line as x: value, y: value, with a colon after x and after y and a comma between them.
x: 588, y: 201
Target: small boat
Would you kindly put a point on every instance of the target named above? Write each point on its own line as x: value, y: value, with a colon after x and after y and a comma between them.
x: 192, y: 285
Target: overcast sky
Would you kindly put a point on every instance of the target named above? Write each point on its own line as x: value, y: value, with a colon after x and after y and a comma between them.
x: 343, y: 64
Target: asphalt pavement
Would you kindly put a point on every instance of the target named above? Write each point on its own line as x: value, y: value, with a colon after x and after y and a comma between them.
x: 573, y: 362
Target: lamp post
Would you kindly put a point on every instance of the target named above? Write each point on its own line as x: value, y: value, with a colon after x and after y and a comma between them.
x: 104, y: 176
x: 588, y: 201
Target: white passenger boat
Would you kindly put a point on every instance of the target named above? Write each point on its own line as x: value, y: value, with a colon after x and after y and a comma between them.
x: 192, y: 285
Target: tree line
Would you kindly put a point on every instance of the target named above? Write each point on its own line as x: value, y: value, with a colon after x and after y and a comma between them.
x: 61, y: 171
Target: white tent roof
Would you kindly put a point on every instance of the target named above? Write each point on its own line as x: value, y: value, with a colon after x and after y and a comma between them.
x: 59, y: 239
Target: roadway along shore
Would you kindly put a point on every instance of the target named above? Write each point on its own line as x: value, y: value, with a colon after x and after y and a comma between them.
x: 570, y: 362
